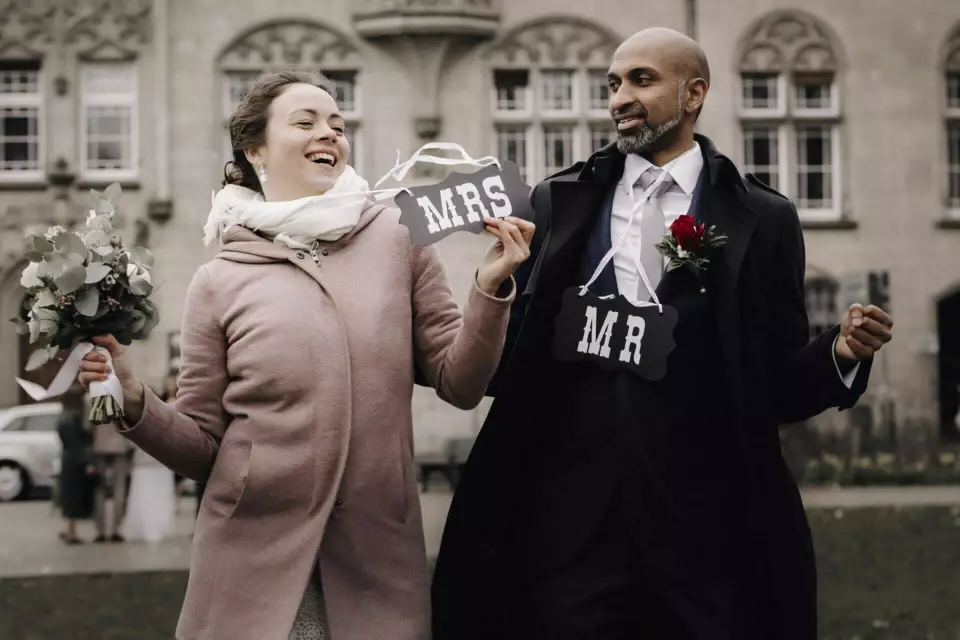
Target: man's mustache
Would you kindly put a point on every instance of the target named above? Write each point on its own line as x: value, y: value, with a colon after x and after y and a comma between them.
x: 632, y: 111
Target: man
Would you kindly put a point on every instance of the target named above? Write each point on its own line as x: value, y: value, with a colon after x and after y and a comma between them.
x: 598, y: 503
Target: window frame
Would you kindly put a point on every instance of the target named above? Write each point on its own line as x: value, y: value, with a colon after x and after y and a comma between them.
x: 129, y: 99
x: 788, y: 120
x: 35, y: 100
x: 951, y: 124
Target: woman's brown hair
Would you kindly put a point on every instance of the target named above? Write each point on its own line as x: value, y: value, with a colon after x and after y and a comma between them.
x: 248, y: 122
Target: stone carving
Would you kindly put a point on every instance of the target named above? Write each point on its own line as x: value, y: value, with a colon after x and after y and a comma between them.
x: 107, y: 29
x: 951, y: 54
x: 26, y: 27
x: 290, y: 44
x: 559, y: 40
x: 433, y: 6
x: 789, y: 40
x: 94, y: 29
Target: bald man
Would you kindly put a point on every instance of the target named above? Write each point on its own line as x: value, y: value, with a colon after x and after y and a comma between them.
x: 628, y: 481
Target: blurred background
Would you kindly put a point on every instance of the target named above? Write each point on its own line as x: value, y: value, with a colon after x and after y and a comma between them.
x: 852, y: 109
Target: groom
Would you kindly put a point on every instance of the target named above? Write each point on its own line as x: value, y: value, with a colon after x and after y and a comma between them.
x: 599, y: 503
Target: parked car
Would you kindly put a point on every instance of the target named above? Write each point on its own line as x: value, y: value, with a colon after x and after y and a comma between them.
x: 29, y: 449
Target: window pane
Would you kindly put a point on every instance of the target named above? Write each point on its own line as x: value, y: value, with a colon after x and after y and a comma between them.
x: 821, y: 302
x: 42, y: 423
x: 601, y: 136
x: 557, y: 148
x: 599, y: 90
x: 19, y: 139
x: 953, y: 164
x: 19, y: 81
x: 109, y: 139
x: 512, y: 146
x: 953, y: 89
x: 813, y: 91
x: 512, y: 88
x: 345, y: 85
x: 814, y: 167
x: 761, y: 148
x: 108, y: 79
x: 236, y: 86
x: 557, y: 90
x: 760, y: 91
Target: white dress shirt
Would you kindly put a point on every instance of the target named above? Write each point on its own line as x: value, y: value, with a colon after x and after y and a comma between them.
x: 675, y: 201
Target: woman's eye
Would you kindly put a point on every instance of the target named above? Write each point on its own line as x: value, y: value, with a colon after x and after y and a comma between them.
x: 305, y: 124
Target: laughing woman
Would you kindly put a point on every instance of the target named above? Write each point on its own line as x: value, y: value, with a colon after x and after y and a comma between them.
x: 299, y: 345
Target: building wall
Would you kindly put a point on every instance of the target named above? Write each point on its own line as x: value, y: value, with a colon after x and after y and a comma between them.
x: 892, y: 133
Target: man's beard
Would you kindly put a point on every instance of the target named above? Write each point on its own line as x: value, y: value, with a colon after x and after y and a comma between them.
x: 644, y: 139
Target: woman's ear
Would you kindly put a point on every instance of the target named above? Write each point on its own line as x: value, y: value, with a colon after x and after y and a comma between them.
x: 253, y: 156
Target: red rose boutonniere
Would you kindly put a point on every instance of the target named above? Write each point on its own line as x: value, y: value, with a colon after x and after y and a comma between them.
x: 688, y: 244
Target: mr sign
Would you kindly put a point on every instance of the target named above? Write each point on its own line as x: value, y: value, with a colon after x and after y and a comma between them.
x: 461, y: 201
x: 614, y: 334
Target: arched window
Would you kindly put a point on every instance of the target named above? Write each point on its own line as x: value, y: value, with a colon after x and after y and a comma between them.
x: 549, y: 93
x: 952, y: 109
x: 790, y: 110
x: 821, y: 301
x: 296, y: 45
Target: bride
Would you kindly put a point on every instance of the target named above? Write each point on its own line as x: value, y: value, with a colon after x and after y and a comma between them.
x: 152, y: 501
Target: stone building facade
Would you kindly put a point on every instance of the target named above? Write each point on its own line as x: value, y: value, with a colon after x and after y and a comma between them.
x: 852, y: 109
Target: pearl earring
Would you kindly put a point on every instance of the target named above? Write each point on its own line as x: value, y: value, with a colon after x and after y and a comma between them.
x: 262, y: 173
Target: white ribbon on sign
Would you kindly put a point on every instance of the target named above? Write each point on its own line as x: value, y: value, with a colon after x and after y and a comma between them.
x: 68, y: 373
x: 636, y: 254
x: 399, y: 170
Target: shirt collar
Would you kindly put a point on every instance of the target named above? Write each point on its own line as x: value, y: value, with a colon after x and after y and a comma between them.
x: 685, y: 169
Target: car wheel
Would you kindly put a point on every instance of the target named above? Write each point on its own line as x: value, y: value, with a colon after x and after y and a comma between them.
x: 13, y: 482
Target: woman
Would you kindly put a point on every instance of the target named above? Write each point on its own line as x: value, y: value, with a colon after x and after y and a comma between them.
x: 298, y: 350
x: 151, y: 505
x: 75, y: 483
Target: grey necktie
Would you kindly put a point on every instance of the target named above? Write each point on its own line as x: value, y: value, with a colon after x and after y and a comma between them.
x: 652, y: 230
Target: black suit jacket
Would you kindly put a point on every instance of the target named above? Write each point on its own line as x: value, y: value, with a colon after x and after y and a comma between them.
x: 774, y: 372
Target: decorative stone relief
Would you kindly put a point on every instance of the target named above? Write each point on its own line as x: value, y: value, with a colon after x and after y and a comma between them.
x: 951, y: 56
x: 290, y: 44
x: 555, y: 41
x: 789, y: 40
x: 94, y: 29
x: 26, y: 27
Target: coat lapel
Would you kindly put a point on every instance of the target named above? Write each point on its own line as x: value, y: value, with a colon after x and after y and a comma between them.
x: 721, y: 204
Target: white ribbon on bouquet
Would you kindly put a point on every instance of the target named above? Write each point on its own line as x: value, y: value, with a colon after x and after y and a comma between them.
x: 68, y: 373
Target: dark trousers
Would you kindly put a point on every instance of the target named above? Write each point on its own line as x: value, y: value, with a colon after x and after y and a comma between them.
x: 609, y: 591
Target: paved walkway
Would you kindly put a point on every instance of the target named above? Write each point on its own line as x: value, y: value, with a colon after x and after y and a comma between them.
x: 29, y: 545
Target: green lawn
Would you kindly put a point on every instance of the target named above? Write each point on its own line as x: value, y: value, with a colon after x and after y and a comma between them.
x: 884, y: 573
x: 888, y: 573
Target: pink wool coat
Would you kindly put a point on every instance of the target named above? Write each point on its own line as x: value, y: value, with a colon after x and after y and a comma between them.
x: 295, y: 404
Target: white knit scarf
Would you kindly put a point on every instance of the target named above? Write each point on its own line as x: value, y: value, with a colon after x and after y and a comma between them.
x: 294, y: 223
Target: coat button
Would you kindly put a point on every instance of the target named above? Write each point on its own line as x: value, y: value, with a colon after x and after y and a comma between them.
x: 338, y: 504
x: 326, y: 252
x: 300, y: 255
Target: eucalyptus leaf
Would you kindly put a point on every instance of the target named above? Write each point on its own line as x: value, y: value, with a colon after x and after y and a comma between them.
x: 95, y: 197
x: 104, y: 207
x: 22, y: 328
x: 96, y: 238
x: 96, y: 273
x: 52, y: 267
x: 34, y: 256
x: 142, y: 257
x: 71, y: 244
x: 112, y: 191
x: 104, y: 252
x: 71, y: 280
x: 139, y: 320
x: 37, y: 359
x: 88, y: 302
x: 139, y: 286
x: 41, y: 244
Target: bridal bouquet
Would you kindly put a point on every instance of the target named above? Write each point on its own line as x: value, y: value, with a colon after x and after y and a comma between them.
x: 80, y: 284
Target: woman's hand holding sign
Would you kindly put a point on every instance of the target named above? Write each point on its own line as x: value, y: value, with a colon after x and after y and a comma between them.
x: 510, y: 250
